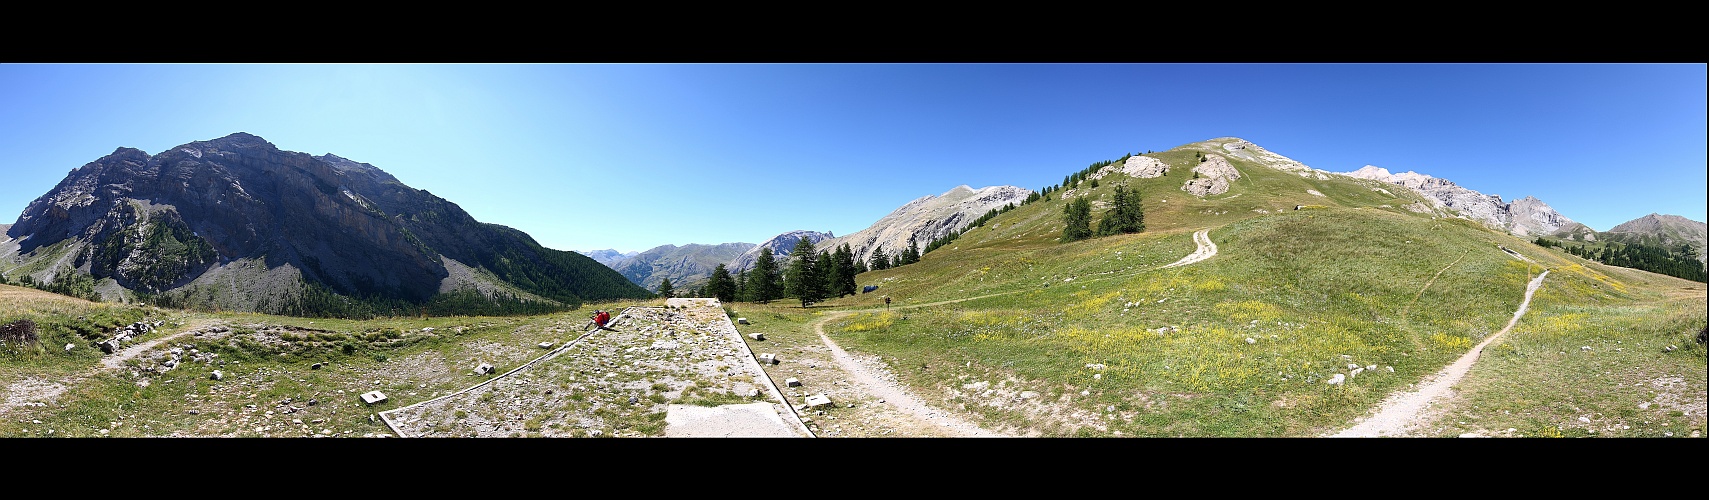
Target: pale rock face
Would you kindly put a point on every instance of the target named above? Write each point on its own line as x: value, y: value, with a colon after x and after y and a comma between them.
x: 925, y: 219
x: 1214, y: 175
x: 1138, y: 167
x: 1525, y: 217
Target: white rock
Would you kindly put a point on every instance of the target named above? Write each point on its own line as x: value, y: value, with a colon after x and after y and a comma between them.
x: 1337, y: 379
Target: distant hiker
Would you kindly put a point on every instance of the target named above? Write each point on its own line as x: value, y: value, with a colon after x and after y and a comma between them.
x: 600, y: 318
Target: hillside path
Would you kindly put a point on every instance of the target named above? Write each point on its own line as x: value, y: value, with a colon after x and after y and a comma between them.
x: 29, y: 391
x: 1206, y: 249
x: 1403, y: 413
x: 893, y: 394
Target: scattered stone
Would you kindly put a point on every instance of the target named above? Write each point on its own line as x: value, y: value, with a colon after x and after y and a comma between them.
x: 741, y: 321
x: 69, y: 346
x: 315, y: 366
x: 756, y: 336
x: 817, y: 400
x: 373, y: 397
x: 1251, y: 340
x: 1095, y: 366
x: 484, y: 369
x: 768, y: 358
x: 1337, y: 379
x: 545, y: 345
x: 217, y: 375
x: 792, y: 382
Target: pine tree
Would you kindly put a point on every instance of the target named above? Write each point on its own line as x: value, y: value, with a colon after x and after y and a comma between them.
x: 1077, y: 219
x: 843, y: 280
x: 1125, y: 217
x: 912, y: 254
x: 720, y: 285
x: 742, y: 286
x: 880, y: 261
x: 802, y: 280
x: 665, y: 288
x: 764, y: 283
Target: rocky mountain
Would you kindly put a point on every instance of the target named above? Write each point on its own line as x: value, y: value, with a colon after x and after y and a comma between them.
x: 237, y: 224
x: 779, y: 245
x: 1526, y: 217
x: 1666, y: 231
x: 608, y: 256
x: 686, y: 266
x: 925, y: 219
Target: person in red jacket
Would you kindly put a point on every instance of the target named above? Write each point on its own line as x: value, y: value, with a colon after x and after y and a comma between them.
x: 600, y: 318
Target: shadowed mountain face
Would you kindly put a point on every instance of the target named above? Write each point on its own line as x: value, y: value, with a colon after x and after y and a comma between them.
x: 158, y: 223
x: 686, y: 266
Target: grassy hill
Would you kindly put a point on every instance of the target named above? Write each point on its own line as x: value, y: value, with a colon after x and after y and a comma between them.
x: 1035, y: 337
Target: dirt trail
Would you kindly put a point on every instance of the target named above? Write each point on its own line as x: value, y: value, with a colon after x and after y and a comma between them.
x: 1403, y: 413
x: 32, y: 390
x: 892, y: 394
x: 1206, y: 249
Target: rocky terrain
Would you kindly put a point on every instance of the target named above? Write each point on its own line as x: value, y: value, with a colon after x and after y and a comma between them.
x: 183, y: 221
x: 925, y: 219
x: 1525, y: 217
x: 686, y: 266
x: 779, y: 245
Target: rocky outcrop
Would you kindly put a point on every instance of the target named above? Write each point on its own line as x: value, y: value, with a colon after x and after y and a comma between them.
x: 159, y: 223
x: 1212, y: 177
x: 926, y: 219
x: 779, y: 245
x: 1527, y: 217
x: 1138, y: 167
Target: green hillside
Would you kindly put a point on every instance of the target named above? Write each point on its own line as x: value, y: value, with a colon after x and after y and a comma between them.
x: 1024, y: 334
x: 1238, y: 345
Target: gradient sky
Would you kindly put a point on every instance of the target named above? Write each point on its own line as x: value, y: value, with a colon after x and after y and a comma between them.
x: 633, y: 156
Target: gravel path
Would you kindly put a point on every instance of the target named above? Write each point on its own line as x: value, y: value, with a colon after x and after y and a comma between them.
x: 1206, y: 249
x: 889, y: 392
x: 1403, y: 412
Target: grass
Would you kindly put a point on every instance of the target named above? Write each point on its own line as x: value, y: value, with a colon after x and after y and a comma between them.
x: 1009, y: 328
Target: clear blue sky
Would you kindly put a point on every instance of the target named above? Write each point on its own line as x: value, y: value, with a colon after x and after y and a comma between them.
x: 633, y: 156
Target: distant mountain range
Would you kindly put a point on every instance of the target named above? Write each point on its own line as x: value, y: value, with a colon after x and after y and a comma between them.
x: 235, y: 223
x: 686, y: 266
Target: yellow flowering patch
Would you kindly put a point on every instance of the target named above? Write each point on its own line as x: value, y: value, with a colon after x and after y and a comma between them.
x: 1451, y: 341
x: 1093, y: 304
x: 869, y: 322
x: 1248, y: 310
x: 1210, y: 285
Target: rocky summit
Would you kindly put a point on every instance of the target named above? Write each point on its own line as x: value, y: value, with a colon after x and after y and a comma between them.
x: 925, y: 219
x: 237, y: 224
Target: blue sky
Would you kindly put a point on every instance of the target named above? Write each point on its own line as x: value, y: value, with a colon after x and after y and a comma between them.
x: 633, y: 156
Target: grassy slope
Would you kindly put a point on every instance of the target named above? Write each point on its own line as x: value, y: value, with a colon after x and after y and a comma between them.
x: 1314, y: 290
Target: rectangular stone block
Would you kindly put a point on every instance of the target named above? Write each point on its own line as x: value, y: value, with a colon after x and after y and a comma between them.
x: 373, y: 397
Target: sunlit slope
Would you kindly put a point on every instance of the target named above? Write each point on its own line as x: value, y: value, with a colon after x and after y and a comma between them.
x: 1107, y: 342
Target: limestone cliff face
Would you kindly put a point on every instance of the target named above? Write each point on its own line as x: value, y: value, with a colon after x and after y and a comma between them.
x: 1528, y: 216
x: 925, y: 219
x: 156, y: 223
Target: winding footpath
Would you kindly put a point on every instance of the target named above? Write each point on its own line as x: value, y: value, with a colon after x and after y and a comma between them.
x: 946, y: 421
x: 1400, y: 414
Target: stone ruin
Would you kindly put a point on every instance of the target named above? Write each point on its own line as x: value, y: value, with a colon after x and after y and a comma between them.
x: 125, y: 333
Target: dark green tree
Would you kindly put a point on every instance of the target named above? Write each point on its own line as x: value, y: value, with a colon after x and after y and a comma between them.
x: 845, y: 267
x: 1125, y: 216
x: 802, y: 280
x: 665, y: 288
x: 880, y: 261
x: 742, y: 286
x: 1077, y: 220
x: 765, y: 283
x: 911, y: 254
x: 720, y: 285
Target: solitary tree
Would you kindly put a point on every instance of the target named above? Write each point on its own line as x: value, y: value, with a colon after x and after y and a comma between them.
x: 665, y: 288
x: 843, y: 280
x: 1077, y: 219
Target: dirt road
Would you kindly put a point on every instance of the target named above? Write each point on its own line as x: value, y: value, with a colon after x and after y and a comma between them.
x: 1404, y: 412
